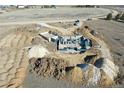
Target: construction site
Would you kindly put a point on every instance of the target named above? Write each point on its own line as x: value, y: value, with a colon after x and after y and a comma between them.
x: 60, y: 46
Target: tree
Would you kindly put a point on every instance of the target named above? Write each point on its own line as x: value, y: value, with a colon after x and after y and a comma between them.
x: 109, y: 16
x: 117, y: 16
x: 53, y: 6
x: 122, y: 17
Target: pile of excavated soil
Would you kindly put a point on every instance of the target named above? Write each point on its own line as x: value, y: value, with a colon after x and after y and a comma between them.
x: 37, y: 51
x: 75, y: 75
x: 49, y: 67
x: 89, y: 76
x: 48, y: 45
x: 105, y: 80
x: 108, y: 67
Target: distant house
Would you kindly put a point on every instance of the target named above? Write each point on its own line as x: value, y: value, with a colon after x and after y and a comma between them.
x: 8, y: 7
x: 21, y: 6
x: 4, y: 6
x: 40, y: 6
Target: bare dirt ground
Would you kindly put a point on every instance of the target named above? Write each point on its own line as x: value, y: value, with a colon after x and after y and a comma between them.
x: 35, y: 81
x: 13, y: 57
x: 64, y: 25
x: 51, y: 14
x: 113, y: 34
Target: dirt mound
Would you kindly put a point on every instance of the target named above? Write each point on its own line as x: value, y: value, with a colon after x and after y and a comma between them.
x: 105, y: 80
x: 89, y: 76
x: 37, y: 51
x: 74, y: 74
x: 108, y: 66
x: 120, y: 79
x: 84, y: 74
x: 49, y: 67
x: 39, y: 40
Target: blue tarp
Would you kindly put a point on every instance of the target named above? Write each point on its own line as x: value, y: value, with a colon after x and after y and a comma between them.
x: 83, y: 66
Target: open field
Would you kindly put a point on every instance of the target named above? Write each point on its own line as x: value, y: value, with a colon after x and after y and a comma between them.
x: 51, y: 14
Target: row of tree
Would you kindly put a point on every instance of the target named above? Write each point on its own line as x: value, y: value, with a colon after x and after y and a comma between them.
x: 117, y: 17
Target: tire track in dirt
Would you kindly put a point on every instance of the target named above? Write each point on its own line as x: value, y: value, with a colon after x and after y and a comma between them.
x: 13, y: 59
x: 5, y: 40
x: 16, y: 40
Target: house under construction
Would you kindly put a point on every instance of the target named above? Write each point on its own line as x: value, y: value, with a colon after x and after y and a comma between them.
x: 73, y: 44
x: 68, y: 44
